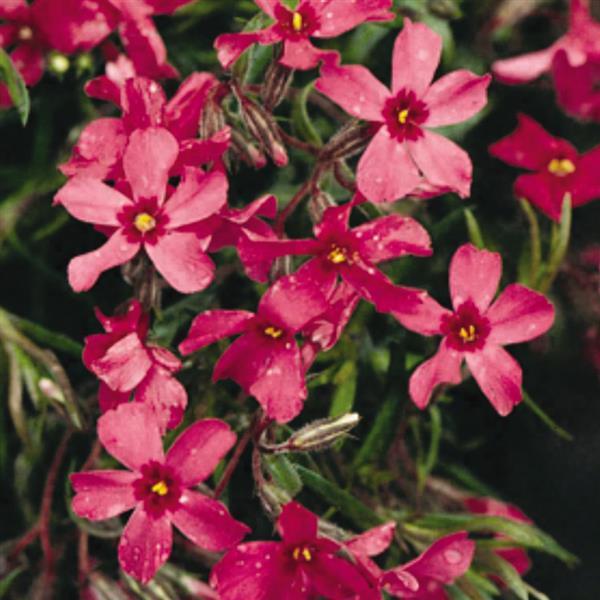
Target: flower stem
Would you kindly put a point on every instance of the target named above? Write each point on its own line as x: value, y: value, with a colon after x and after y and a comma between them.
x: 535, y: 245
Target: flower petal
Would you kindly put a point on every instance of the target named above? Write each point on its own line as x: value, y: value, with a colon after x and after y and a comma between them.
x: 145, y: 544
x: 474, y: 275
x: 149, y: 156
x: 108, y: 399
x: 165, y: 395
x: 179, y: 258
x: 334, y: 577
x: 102, y: 494
x: 499, y: 376
x: 143, y: 103
x: 392, y: 237
x: 355, y: 89
x: 195, y: 454
x: 124, y: 364
x: 198, y: 196
x: 338, y: 17
x: 524, y: 68
x: 586, y: 183
x: 385, y: 170
x: 425, y: 317
x: 543, y: 190
x: 373, y: 541
x: 455, y: 98
x: 442, y: 162
x: 85, y: 269
x: 416, y: 56
x: 443, y: 367
x: 130, y: 434
x: 207, y: 523
x: 302, y: 55
x: 519, y: 315
x: 230, y: 46
x: 297, y: 524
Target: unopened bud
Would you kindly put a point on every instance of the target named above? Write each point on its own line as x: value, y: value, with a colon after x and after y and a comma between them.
x: 246, y: 151
x: 319, y: 202
x: 51, y: 390
x: 282, y: 266
x: 273, y: 498
x: 445, y: 9
x: 349, y: 140
x: 58, y: 63
x: 277, y: 82
x: 212, y: 119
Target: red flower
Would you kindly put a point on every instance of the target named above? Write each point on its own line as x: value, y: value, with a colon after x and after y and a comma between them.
x: 295, y: 27
x: 303, y: 566
x: 101, y: 146
x: 265, y: 360
x: 125, y: 363
x: 559, y: 169
x: 157, y: 487
x: 476, y: 331
x: 404, y: 145
x: 143, y: 219
x: 351, y: 254
x: 420, y: 579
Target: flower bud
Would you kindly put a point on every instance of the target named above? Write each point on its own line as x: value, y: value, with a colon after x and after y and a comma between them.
x: 277, y: 82
x: 319, y: 202
x: 247, y: 151
x: 58, y: 63
x: 322, y: 433
x: 349, y: 140
x: 212, y: 119
x: 282, y: 266
x: 51, y: 390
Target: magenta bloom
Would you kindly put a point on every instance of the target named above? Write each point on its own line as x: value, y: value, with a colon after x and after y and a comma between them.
x: 420, y: 579
x: 351, y: 254
x: 295, y: 27
x: 157, y: 487
x: 265, y: 360
x: 404, y: 146
x: 125, y: 363
x: 476, y: 332
x: 559, y: 169
x: 517, y: 557
x: 101, y: 146
x: 143, y: 219
x: 303, y: 566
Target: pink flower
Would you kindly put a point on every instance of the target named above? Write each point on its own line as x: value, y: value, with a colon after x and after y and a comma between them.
x: 517, y: 557
x: 420, y: 579
x: 157, y: 487
x: 558, y: 168
x: 125, y: 363
x: 265, y: 360
x: 143, y: 219
x: 581, y: 40
x: 351, y: 254
x: 476, y: 332
x: 404, y: 146
x: 302, y: 566
x: 295, y: 27
x: 101, y: 146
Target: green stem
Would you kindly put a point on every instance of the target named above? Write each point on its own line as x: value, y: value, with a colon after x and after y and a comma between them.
x: 545, y: 418
x: 535, y: 244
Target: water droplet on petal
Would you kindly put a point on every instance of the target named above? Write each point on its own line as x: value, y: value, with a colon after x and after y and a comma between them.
x: 453, y: 556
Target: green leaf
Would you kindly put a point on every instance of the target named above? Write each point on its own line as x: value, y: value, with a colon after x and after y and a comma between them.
x: 301, y: 121
x: 558, y: 245
x: 47, y: 337
x: 16, y: 86
x: 427, y: 462
x: 8, y: 580
x: 362, y: 42
x: 284, y: 473
x: 505, y: 571
x: 537, y: 410
x: 362, y: 516
x: 474, y: 230
x: 343, y: 397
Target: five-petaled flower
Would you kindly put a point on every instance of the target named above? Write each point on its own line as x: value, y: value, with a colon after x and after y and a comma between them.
x: 295, y: 27
x: 265, y: 360
x: 166, y: 230
x: 404, y: 146
x: 157, y: 487
x: 476, y: 332
x: 125, y: 362
x: 350, y: 253
x: 559, y: 169
x: 302, y: 565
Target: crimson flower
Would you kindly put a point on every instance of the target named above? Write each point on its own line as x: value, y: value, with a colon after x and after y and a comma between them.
x: 125, y: 363
x: 476, y: 332
x: 295, y: 27
x: 559, y: 169
x: 517, y: 557
x: 265, y: 360
x: 420, y: 579
x: 101, y: 146
x: 404, y: 147
x: 157, y: 487
x: 349, y: 253
x: 302, y: 566
x: 143, y: 219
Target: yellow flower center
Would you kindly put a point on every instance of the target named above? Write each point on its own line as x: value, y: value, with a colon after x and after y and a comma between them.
x: 302, y: 553
x: 144, y: 222
x: 468, y: 334
x: 160, y: 488
x: 273, y: 332
x: 337, y: 255
x: 561, y: 167
x: 25, y: 33
x: 403, y: 116
x: 297, y: 21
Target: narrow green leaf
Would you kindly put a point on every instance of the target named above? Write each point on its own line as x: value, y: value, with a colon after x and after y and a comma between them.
x: 537, y: 410
x: 284, y: 473
x: 348, y: 505
x: 474, y: 230
x: 16, y: 86
x: 505, y: 571
x: 8, y: 580
x: 343, y: 397
x: 47, y: 337
x: 535, y: 243
x: 301, y: 121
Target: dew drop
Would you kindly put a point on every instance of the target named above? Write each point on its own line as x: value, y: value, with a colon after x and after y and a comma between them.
x: 453, y: 556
